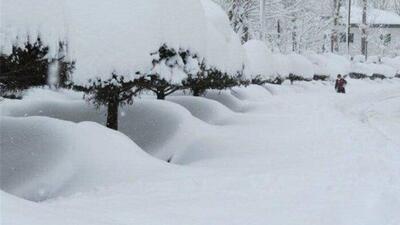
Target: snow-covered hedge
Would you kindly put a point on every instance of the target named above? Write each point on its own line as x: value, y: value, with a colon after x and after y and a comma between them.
x: 259, y: 61
x: 264, y: 64
x: 328, y: 64
x: 300, y: 66
x: 122, y: 41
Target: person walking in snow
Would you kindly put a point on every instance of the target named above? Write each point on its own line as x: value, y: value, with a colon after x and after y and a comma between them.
x: 340, y: 84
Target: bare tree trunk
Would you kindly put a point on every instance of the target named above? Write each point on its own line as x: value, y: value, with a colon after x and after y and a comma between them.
x: 294, y: 36
x: 364, y: 42
x: 112, y: 115
x: 279, y: 31
x: 161, y: 95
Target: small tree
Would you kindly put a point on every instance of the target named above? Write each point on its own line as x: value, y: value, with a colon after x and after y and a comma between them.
x: 260, y: 80
x: 28, y: 66
x: 210, y: 78
x: 169, y: 69
x: 113, y: 93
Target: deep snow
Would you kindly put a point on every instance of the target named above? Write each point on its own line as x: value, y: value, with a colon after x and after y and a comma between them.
x: 290, y: 154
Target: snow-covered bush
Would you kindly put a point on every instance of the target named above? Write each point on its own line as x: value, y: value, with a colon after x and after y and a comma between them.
x: 113, y: 93
x: 371, y: 70
x: 260, y: 66
x: 170, y: 68
x: 210, y: 78
x: 328, y: 65
x: 393, y: 62
x: 300, y: 68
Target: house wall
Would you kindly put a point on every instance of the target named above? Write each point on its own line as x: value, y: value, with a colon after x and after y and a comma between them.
x: 376, y: 45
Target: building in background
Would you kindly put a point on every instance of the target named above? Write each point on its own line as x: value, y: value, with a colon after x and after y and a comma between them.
x: 383, y: 30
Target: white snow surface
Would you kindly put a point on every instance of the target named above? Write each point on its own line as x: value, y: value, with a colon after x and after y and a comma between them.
x: 42, y: 158
x: 303, y: 155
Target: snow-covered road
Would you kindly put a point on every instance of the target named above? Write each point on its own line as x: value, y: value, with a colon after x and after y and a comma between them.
x: 304, y: 155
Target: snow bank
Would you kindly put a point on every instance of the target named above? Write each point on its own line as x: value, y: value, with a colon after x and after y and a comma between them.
x: 223, y: 49
x: 153, y: 125
x: 371, y: 68
x: 227, y: 99
x: 251, y: 93
x: 259, y: 60
x: 42, y: 158
x: 206, y: 110
x: 300, y: 66
x: 328, y: 64
x: 393, y: 62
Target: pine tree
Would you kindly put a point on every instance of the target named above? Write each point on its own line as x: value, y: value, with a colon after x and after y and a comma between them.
x: 168, y: 64
x: 28, y: 66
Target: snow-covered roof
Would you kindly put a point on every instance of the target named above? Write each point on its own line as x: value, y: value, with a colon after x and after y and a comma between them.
x: 374, y: 16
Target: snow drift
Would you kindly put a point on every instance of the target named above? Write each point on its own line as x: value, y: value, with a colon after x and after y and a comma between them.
x: 328, y: 64
x: 42, y: 158
x: 156, y: 126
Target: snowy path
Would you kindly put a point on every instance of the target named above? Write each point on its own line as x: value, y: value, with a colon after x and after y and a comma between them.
x: 313, y: 157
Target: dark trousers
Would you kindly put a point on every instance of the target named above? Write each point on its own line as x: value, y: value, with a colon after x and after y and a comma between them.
x: 341, y: 90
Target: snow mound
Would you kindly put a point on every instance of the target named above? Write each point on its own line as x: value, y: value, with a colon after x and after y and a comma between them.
x: 152, y: 125
x: 300, y: 66
x: 44, y: 158
x: 206, y: 110
x: 371, y: 68
x: 251, y: 93
x: 393, y: 62
x: 227, y: 99
x: 223, y: 49
x: 156, y: 125
x: 328, y: 64
x: 259, y: 61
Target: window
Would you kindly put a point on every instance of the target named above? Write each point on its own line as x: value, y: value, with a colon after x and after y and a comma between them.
x: 343, y: 38
x: 386, y: 38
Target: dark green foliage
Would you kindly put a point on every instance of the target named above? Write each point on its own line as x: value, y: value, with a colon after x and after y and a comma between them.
x: 154, y: 82
x: 354, y: 75
x: 321, y: 77
x: 258, y: 80
x: 28, y: 65
x: 377, y: 76
x: 113, y: 93
x: 294, y: 77
x: 210, y: 78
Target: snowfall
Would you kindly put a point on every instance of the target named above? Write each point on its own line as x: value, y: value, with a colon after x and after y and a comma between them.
x: 290, y: 154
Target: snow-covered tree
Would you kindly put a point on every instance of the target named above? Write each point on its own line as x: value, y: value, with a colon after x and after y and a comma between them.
x: 29, y: 65
x: 210, y: 78
x: 113, y: 92
x: 243, y: 16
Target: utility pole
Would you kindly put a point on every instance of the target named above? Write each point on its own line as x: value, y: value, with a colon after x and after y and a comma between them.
x: 335, y: 35
x: 364, y: 41
x: 348, y: 27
